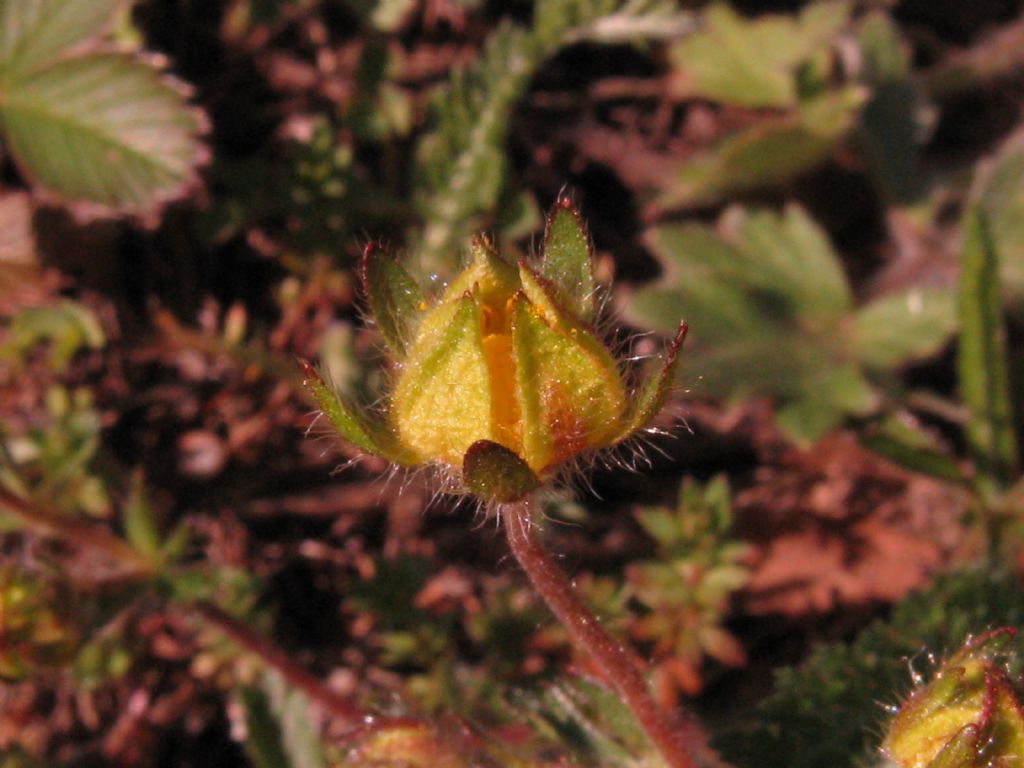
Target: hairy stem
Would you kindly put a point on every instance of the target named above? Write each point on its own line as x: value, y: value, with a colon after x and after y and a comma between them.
x: 682, y: 744
x: 54, y: 525
x: 343, y: 710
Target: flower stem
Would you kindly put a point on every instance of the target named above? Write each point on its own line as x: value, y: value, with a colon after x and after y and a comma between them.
x: 341, y: 709
x: 682, y: 744
x: 54, y: 525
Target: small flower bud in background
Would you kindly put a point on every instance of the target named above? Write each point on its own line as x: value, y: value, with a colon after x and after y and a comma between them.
x: 969, y: 716
x: 501, y: 380
x: 37, y: 628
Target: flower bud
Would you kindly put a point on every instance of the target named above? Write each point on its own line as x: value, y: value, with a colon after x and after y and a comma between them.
x: 37, y: 629
x: 969, y: 716
x: 501, y: 379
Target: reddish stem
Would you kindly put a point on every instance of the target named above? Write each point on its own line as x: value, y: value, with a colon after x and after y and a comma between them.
x: 52, y: 524
x: 341, y: 708
x: 681, y: 744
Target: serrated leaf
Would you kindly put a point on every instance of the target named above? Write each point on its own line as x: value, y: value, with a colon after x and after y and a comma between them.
x: 104, y: 128
x: 394, y: 298
x: 774, y: 151
x: 766, y: 301
x: 34, y: 33
x: 568, y: 258
x: 904, y: 327
x: 753, y: 63
x: 982, y: 359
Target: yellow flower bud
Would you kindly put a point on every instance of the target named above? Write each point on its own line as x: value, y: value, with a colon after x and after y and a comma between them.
x: 501, y: 379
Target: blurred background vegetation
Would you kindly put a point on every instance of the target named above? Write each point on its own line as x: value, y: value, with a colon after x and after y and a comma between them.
x: 830, y: 193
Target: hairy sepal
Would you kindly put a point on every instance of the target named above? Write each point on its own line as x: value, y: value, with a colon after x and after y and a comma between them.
x: 369, y: 436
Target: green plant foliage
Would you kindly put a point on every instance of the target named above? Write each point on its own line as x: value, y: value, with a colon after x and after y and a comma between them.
x: 591, y: 721
x: 905, y: 326
x: 773, y: 151
x: 783, y: 62
x: 57, y: 461
x: 771, y: 313
x: 891, y: 124
x: 969, y: 716
x: 39, y: 628
x: 106, y: 128
x: 38, y: 32
x: 685, y: 590
x: 280, y: 732
x: 461, y: 170
x: 982, y: 361
x: 1000, y: 195
x: 830, y: 710
x: 913, y: 448
x: 67, y: 326
x: 756, y: 63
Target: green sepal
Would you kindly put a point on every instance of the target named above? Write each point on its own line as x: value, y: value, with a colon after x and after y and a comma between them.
x: 370, y: 437
x: 568, y: 258
x: 651, y: 397
x: 494, y: 473
x: 1007, y: 715
x: 570, y: 393
x: 488, y: 275
x: 393, y: 296
x: 543, y: 295
x: 442, y: 403
x: 961, y: 751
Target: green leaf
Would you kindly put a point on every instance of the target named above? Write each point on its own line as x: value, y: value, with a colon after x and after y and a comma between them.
x: 460, y: 168
x: 394, y: 298
x: 262, y: 731
x: 461, y: 172
x: 982, y: 360
x: 904, y: 327
x: 367, y: 435
x: 774, y: 151
x: 768, y: 304
x: 493, y: 473
x: 280, y: 730
x: 140, y: 526
x: 891, y: 126
x: 754, y: 63
x: 913, y: 449
x: 34, y: 33
x: 103, y: 128
x: 68, y: 326
x: 568, y: 258
x: 1001, y: 195
x: 300, y: 738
